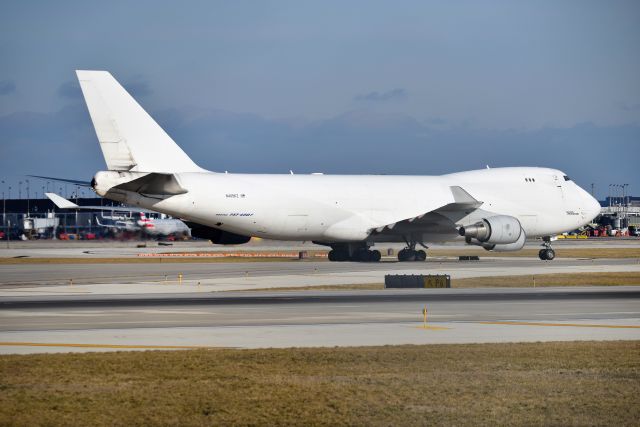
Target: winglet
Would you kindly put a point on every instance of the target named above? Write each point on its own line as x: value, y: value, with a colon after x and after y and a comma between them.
x: 61, y: 202
x: 461, y: 197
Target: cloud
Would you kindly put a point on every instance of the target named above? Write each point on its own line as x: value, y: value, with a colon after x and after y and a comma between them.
x: 358, y: 141
x: 629, y: 107
x: 138, y: 88
x: 7, y: 87
x: 391, y: 95
x: 70, y: 90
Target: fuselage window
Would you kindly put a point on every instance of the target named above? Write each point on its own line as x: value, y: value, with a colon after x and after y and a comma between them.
x: 566, y: 178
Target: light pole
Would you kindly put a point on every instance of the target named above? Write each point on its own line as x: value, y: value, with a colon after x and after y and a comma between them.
x: 28, y: 197
x: 626, y: 195
x: 19, y: 189
x: 4, y: 203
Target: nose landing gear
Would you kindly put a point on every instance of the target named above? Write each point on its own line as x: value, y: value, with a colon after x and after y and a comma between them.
x: 547, y: 253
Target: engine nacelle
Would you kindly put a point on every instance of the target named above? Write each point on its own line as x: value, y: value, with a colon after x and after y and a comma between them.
x: 216, y: 236
x: 495, y: 230
x: 508, y: 247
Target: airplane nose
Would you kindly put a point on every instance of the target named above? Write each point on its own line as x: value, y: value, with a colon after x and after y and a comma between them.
x: 593, y: 207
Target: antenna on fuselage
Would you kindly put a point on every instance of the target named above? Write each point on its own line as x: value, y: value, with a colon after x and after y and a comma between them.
x: 488, y: 167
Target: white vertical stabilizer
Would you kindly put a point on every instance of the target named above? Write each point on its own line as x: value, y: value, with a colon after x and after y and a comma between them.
x: 129, y: 138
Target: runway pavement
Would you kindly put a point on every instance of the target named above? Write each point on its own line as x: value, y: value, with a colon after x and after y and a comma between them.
x: 131, y: 249
x: 262, y: 319
x: 106, y: 307
x: 28, y: 279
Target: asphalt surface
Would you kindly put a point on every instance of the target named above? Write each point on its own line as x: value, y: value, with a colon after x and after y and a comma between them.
x: 108, y: 307
x: 250, y: 319
x: 56, y: 274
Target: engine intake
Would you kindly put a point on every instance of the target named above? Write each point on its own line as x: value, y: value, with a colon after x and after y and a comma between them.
x: 495, y: 230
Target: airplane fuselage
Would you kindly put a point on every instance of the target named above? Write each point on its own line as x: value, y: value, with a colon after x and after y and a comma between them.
x: 333, y: 208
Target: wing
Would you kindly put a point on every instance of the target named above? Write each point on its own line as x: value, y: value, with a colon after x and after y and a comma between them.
x: 435, y: 225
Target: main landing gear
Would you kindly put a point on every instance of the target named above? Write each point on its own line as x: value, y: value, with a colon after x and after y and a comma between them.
x: 547, y: 253
x: 353, y: 253
x: 411, y: 254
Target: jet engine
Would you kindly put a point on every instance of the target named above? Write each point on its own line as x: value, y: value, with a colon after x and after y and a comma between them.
x: 216, y: 236
x: 495, y: 230
x: 507, y: 247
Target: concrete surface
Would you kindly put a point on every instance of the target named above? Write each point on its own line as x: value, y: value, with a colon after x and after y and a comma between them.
x: 252, y: 320
x: 54, y: 279
x: 102, y: 249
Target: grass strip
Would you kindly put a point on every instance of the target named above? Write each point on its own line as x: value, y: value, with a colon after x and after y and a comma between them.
x: 540, y: 280
x: 595, y: 253
x: 563, y: 383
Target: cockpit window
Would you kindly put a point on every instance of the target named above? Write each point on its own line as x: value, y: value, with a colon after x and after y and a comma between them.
x: 566, y: 178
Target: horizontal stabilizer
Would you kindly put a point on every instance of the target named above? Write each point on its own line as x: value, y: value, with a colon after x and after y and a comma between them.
x: 69, y: 181
x: 61, y: 202
x: 156, y: 184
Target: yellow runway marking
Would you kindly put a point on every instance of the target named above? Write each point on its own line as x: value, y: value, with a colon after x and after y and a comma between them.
x: 121, y: 346
x: 576, y: 325
x: 433, y: 328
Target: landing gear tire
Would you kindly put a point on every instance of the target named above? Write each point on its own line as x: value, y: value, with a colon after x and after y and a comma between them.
x: 411, y: 255
x: 406, y: 255
x: 547, y: 254
x: 337, y: 255
x: 360, y: 255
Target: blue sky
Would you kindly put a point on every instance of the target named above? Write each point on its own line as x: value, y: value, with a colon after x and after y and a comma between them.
x: 415, y: 87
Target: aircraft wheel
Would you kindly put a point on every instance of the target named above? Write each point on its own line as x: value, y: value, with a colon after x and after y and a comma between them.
x: 421, y: 255
x: 406, y: 255
x: 542, y: 254
x: 361, y: 255
x: 550, y: 254
x: 374, y: 256
x: 337, y: 255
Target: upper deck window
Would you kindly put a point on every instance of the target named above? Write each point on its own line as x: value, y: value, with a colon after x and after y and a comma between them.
x: 566, y: 178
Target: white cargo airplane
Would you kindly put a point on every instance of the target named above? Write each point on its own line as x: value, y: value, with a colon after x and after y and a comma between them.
x: 493, y: 208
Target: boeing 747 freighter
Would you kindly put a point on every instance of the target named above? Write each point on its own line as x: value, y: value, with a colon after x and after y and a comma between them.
x: 497, y: 209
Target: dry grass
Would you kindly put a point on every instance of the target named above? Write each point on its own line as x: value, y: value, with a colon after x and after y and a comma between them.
x: 632, y: 252
x: 558, y: 279
x: 540, y: 280
x: 576, y: 383
x: 140, y: 260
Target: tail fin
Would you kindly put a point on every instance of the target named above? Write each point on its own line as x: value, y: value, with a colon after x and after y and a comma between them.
x: 129, y: 138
